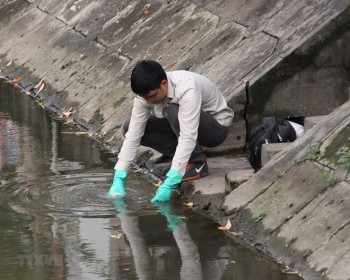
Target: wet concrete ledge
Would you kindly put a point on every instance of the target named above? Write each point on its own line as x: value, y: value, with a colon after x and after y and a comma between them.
x: 268, y: 57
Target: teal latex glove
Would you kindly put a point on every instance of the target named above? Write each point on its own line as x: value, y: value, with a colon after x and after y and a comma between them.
x: 174, y: 221
x: 119, y: 204
x: 165, y: 191
x: 117, y: 188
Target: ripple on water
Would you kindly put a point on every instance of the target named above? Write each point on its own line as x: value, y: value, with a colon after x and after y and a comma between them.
x: 74, y: 194
x: 79, y: 194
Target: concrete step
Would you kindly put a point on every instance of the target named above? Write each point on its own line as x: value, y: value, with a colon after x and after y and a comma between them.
x: 311, y: 121
x: 226, y: 173
x: 237, y: 177
x: 269, y: 150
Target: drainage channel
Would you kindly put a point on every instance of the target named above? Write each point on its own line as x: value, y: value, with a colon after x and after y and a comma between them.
x: 56, y: 222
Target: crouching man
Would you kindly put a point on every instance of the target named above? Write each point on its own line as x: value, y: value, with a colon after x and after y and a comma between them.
x: 174, y: 113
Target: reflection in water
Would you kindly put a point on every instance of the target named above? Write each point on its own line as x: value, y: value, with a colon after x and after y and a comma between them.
x: 191, y: 266
x: 138, y: 245
x: 54, y: 149
x: 9, y: 141
x: 56, y: 222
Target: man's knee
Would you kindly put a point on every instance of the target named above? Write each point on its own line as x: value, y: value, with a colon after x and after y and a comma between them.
x: 125, y: 126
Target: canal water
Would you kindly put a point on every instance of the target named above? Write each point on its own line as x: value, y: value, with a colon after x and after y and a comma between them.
x: 56, y: 222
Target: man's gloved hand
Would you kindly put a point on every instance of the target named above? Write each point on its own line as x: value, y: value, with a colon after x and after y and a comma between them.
x: 117, y: 188
x: 119, y: 204
x: 164, y: 192
x: 174, y: 221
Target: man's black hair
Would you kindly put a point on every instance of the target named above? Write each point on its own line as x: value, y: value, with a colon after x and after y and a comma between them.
x: 147, y: 75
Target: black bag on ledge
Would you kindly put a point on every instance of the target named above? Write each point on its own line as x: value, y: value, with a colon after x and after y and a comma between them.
x: 270, y: 130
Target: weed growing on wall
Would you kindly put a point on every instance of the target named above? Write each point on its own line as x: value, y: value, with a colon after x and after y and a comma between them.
x: 313, y: 153
x: 259, y: 215
x: 330, y: 178
x: 344, y: 157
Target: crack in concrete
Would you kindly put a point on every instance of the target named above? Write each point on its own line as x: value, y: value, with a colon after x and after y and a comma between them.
x: 40, y: 9
x: 331, y: 236
x: 271, y: 35
x: 265, y: 59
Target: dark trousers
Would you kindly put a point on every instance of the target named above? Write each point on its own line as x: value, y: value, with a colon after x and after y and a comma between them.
x: 161, y: 134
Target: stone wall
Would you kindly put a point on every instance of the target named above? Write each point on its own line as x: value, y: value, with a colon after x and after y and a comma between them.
x: 84, y: 50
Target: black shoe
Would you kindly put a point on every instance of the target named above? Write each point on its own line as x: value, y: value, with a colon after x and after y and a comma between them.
x: 195, y: 170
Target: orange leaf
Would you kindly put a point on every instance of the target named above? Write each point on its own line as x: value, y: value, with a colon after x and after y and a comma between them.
x: 227, y: 227
x: 16, y: 79
x: 17, y: 88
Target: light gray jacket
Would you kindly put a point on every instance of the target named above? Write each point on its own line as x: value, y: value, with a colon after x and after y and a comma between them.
x: 193, y: 93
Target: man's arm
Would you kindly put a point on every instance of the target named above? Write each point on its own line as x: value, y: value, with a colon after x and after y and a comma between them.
x: 189, y: 115
x: 140, y: 113
x: 139, y: 116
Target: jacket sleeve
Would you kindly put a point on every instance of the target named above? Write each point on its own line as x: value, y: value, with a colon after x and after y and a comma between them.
x: 189, y: 114
x: 139, y: 116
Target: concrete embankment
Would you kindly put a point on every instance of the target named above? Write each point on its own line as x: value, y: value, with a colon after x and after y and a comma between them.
x: 268, y: 57
x: 297, y: 206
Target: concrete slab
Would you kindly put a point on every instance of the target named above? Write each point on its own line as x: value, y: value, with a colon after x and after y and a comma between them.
x: 18, y: 27
x: 282, y: 199
x: 268, y: 150
x: 114, y: 94
x: 237, y: 61
x: 320, y: 234
x: 250, y: 14
x: 75, y: 11
x: 315, y: 225
x: 132, y: 16
x: 171, y: 17
x: 333, y: 256
x: 105, y: 11
x: 52, y: 6
x: 9, y: 11
x: 75, y: 66
x: 311, y: 121
x: 237, y: 177
x: 191, y: 31
x: 221, y: 39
